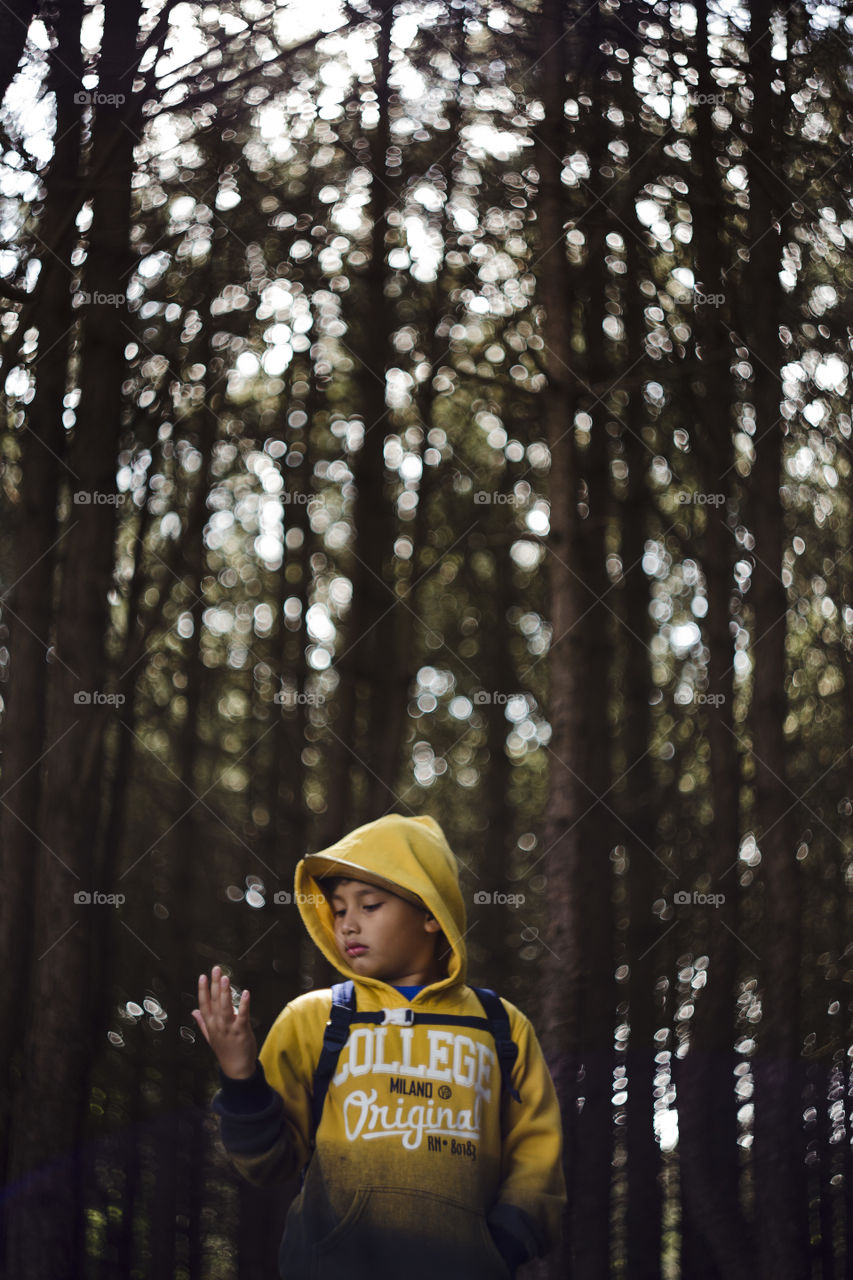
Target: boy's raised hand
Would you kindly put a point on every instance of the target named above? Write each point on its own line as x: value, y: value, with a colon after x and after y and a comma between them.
x: 227, y: 1031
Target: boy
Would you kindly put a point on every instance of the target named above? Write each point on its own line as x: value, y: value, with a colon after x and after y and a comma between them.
x: 422, y: 1166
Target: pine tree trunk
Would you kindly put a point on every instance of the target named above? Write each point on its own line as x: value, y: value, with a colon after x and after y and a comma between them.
x: 27, y: 611
x: 707, y: 1104
x: 561, y: 843
x: 597, y: 830
x: 121, y: 1234
x: 182, y: 876
x: 44, y: 1233
x: 779, y: 1189
x: 370, y: 661
x: 644, y: 1207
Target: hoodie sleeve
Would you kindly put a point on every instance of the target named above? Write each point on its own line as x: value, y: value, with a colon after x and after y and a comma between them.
x: 265, y: 1121
x: 525, y: 1218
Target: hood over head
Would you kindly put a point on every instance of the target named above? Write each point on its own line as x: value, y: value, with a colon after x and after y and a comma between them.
x: 406, y: 856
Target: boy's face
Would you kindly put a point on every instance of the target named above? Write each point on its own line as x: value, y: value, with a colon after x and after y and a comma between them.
x: 382, y: 936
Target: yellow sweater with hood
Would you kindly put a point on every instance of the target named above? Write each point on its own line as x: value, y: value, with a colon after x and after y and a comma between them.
x: 420, y: 1168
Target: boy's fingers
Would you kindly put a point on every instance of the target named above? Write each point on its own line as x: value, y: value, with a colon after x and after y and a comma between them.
x: 210, y: 996
x: 200, y: 1021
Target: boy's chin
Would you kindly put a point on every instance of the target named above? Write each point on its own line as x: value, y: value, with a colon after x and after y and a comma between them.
x: 370, y: 967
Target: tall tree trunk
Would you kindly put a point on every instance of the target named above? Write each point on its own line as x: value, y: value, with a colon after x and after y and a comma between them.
x: 708, y: 1127
x: 120, y: 1232
x: 371, y: 657
x: 781, y: 1229
x: 495, y: 664
x: 637, y: 808
x: 42, y: 445
x: 182, y: 879
x: 596, y: 827
x: 560, y: 834
x: 45, y: 1232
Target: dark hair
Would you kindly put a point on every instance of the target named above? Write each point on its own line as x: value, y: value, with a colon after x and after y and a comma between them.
x: 330, y: 883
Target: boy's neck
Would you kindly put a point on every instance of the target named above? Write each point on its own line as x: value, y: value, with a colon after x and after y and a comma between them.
x: 417, y: 979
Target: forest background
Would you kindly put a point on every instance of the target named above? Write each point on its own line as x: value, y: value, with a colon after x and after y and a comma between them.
x: 443, y: 408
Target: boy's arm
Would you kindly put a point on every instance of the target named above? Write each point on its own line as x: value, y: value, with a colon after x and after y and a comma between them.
x: 525, y: 1217
x: 265, y: 1119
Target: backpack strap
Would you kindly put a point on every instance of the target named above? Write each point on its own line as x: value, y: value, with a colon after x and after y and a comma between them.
x: 334, y: 1039
x: 505, y: 1046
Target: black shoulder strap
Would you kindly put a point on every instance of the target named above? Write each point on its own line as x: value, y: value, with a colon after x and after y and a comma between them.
x: 505, y: 1046
x: 334, y: 1039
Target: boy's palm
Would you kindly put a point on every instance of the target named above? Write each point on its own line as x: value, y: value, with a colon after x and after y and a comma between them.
x: 227, y: 1031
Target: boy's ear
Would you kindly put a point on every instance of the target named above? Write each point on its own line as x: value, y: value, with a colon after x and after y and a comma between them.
x: 431, y: 924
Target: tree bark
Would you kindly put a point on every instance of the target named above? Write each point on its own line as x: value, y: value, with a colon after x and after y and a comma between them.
x: 637, y: 808
x: 42, y: 445
x: 596, y: 830
x: 707, y: 1104
x: 561, y: 844
x: 371, y: 658
x: 781, y: 1228
x: 45, y: 1232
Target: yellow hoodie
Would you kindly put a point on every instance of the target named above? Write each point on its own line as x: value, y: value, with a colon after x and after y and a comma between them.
x: 421, y: 1169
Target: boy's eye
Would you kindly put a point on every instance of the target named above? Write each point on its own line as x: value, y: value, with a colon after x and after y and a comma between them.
x: 368, y: 906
